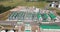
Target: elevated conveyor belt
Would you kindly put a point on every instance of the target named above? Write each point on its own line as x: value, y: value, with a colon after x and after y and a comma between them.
x: 39, y: 15
x: 52, y: 15
x: 45, y: 17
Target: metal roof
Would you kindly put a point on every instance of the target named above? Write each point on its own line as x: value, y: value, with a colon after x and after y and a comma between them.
x: 8, y: 23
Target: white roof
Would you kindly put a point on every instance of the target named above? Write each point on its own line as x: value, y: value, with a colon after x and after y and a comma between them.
x: 3, y: 31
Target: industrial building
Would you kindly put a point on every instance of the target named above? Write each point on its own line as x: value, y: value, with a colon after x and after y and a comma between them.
x: 31, y: 19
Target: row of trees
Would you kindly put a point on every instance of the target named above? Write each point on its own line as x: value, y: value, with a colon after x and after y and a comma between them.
x: 5, y: 0
x: 3, y: 8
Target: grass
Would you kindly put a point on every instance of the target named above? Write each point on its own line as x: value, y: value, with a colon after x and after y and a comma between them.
x: 55, y: 9
x: 23, y: 3
x: 4, y: 15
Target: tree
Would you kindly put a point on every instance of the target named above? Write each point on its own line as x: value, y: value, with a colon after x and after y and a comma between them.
x: 3, y: 8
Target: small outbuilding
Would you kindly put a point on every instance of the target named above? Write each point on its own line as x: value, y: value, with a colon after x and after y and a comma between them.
x: 59, y: 5
x: 52, y: 4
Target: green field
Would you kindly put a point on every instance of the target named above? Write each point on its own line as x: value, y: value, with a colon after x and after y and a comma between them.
x: 13, y: 3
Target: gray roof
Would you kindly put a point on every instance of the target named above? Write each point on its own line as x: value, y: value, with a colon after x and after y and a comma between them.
x: 8, y: 23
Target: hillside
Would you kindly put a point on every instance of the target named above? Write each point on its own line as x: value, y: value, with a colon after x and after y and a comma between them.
x: 7, y: 5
